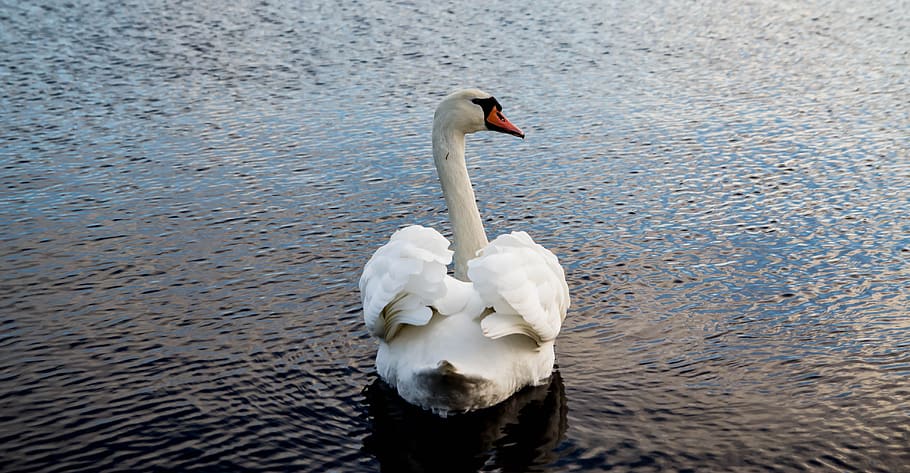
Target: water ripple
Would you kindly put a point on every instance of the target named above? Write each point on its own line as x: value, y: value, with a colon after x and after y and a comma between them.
x: 190, y: 190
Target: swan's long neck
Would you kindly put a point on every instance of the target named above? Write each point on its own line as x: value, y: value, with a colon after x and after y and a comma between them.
x: 448, y: 154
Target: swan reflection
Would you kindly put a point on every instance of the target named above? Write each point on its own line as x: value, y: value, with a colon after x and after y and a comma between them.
x: 518, y: 434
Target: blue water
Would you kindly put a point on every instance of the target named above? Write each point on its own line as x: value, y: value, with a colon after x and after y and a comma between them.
x: 191, y: 188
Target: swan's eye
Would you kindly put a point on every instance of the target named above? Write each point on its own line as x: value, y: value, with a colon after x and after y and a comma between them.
x: 488, y: 104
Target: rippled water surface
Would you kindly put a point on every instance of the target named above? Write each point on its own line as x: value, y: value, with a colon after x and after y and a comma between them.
x: 191, y: 188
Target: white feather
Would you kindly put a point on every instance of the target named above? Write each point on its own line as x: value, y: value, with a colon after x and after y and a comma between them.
x: 524, y: 280
x: 403, y: 279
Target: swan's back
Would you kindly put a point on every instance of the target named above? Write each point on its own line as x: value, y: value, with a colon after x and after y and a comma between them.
x: 450, y: 345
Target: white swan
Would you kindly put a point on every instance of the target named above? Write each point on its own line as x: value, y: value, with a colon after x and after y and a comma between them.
x: 469, y: 342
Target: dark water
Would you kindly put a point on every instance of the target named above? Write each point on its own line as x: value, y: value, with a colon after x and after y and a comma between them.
x: 190, y: 189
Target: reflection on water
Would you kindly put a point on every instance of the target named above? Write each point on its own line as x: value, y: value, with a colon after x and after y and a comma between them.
x: 520, y: 434
x: 190, y: 190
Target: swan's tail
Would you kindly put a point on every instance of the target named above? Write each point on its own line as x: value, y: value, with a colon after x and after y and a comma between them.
x: 450, y: 390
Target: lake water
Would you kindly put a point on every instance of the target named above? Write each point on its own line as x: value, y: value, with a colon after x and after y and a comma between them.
x: 191, y: 188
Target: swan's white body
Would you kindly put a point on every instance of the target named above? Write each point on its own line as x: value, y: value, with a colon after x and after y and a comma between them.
x: 452, y: 344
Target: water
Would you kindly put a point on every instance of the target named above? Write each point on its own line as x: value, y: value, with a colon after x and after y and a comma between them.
x: 191, y: 188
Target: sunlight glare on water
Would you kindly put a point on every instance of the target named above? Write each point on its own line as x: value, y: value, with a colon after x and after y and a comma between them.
x: 191, y: 190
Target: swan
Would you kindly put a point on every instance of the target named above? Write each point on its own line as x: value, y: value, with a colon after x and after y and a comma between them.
x: 456, y: 344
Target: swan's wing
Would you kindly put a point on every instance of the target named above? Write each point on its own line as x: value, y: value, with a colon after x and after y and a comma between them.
x: 524, y: 284
x: 406, y: 279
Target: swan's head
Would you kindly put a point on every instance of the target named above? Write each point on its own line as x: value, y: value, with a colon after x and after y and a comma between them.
x: 472, y: 110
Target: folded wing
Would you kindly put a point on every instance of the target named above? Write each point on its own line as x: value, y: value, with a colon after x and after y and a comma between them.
x: 524, y: 285
x: 405, y: 280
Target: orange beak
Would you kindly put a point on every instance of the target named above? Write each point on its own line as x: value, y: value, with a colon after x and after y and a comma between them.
x: 496, y: 121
